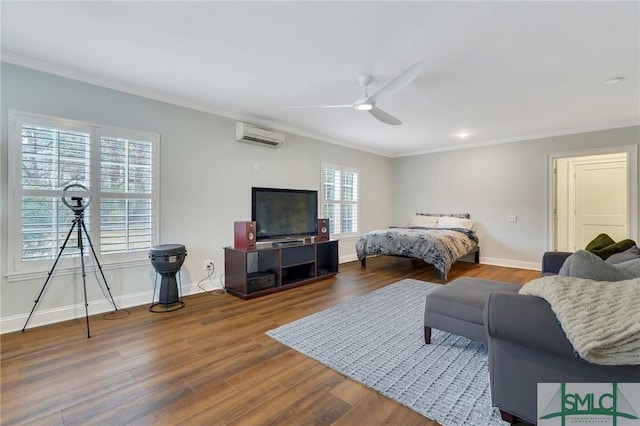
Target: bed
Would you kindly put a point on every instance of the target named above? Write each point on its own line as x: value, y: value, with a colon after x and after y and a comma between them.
x: 438, y: 239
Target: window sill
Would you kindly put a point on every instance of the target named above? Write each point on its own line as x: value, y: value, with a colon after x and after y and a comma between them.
x: 42, y: 275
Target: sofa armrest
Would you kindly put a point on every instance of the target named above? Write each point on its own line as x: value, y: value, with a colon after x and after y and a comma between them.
x: 527, y: 321
x: 552, y: 261
x: 527, y: 346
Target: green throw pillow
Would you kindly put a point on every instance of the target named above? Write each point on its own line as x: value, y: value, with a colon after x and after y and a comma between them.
x: 618, y: 247
x: 599, y: 242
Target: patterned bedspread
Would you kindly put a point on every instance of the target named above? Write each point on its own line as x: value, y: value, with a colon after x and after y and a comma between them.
x: 439, y: 247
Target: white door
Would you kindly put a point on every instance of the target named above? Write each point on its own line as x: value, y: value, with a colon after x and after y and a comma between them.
x: 600, y: 202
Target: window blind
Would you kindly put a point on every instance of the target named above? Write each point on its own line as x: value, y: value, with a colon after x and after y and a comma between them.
x: 118, y: 166
x: 126, y: 181
x: 51, y: 159
x: 340, y: 198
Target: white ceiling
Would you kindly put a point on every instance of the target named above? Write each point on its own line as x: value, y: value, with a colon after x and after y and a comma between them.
x: 504, y: 71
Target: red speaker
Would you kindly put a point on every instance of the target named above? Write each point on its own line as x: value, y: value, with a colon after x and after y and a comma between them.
x: 323, y: 230
x: 244, y: 235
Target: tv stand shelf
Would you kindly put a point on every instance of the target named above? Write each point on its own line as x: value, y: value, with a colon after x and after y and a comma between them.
x: 290, y: 266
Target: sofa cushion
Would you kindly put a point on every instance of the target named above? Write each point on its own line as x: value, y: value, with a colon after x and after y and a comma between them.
x: 632, y: 266
x: 629, y: 254
x: 464, y: 298
x: 584, y: 264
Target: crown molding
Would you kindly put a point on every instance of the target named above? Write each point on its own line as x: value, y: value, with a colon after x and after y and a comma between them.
x: 173, y: 100
x: 528, y: 137
x: 182, y: 102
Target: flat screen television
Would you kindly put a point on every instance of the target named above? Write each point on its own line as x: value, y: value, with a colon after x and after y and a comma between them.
x: 284, y: 213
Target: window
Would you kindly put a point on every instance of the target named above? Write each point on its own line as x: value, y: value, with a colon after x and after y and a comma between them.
x: 119, y: 167
x: 340, y: 198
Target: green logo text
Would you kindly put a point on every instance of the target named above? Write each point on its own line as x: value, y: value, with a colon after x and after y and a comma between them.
x: 565, y: 404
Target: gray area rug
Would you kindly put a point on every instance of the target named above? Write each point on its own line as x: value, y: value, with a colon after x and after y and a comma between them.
x: 377, y: 339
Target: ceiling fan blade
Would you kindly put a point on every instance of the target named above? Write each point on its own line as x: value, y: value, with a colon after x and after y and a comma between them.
x: 319, y: 106
x: 384, y: 117
x: 398, y: 82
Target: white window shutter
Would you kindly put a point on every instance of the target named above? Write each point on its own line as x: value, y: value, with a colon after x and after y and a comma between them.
x: 340, y: 198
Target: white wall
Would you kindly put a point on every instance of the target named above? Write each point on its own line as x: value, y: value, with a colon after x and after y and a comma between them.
x: 205, y: 185
x: 491, y: 183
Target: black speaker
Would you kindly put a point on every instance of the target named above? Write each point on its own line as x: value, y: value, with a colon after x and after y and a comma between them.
x: 323, y: 230
x: 244, y: 235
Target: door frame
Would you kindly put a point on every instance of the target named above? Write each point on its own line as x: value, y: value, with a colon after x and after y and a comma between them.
x: 632, y: 187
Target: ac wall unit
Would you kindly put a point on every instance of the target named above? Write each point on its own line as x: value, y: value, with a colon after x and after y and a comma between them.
x: 256, y: 135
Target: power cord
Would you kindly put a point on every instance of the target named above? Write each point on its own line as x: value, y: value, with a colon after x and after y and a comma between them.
x: 211, y: 277
x: 110, y: 316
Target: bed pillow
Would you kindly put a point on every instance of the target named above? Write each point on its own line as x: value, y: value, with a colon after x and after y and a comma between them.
x: 461, y: 215
x: 584, y: 264
x: 455, y: 222
x: 425, y: 221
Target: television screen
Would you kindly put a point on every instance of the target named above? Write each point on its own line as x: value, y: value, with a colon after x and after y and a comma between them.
x: 284, y: 213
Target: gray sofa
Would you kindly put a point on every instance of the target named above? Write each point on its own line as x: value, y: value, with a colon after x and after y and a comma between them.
x: 527, y: 346
x: 552, y: 261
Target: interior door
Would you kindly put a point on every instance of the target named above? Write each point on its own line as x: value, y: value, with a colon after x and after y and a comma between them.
x: 600, y: 201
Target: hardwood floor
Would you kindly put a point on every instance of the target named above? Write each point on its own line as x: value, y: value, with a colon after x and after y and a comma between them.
x: 209, y: 363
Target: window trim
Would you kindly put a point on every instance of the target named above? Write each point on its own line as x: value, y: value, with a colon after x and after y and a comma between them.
x: 342, y: 169
x: 18, y: 270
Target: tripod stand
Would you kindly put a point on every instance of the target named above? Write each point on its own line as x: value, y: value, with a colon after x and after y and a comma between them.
x: 78, y: 221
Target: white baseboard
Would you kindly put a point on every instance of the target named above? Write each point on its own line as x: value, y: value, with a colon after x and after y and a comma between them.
x: 65, y: 313
x: 510, y: 263
x: 348, y: 258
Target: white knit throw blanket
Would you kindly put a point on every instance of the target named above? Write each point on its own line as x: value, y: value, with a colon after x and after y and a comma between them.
x: 601, y: 319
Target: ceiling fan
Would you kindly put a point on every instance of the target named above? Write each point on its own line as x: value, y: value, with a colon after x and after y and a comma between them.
x: 368, y: 102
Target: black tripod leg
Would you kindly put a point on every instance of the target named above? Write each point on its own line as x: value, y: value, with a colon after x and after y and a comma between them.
x: 84, y: 278
x: 99, y: 266
x: 49, y: 276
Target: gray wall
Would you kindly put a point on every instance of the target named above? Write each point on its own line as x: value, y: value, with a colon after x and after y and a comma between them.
x: 206, y: 178
x: 491, y: 183
x: 205, y: 184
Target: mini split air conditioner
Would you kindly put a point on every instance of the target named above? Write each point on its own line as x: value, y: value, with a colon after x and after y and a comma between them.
x: 255, y: 135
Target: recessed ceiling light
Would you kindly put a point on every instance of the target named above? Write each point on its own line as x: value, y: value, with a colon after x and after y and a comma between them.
x: 463, y: 135
x: 614, y: 80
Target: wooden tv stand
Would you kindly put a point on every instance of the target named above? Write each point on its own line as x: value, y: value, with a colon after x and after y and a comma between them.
x: 285, y: 266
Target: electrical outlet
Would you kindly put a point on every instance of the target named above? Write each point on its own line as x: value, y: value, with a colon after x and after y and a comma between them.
x: 208, y: 264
